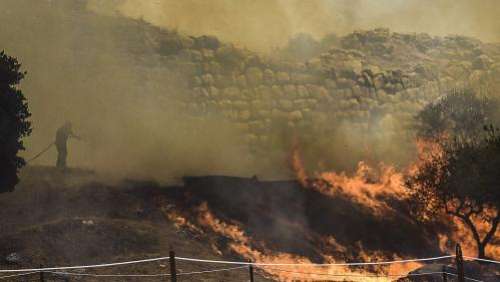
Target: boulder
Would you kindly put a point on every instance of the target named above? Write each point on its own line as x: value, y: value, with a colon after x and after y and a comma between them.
x: 231, y: 92
x: 206, y: 42
x: 290, y: 91
x: 213, y: 92
x: 302, y: 91
x: 482, y: 62
x: 276, y: 91
x: 208, y: 79
x: 254, y: 76
x: 282, y: 77
x: 196, y: 81
x: 330, y: 84
x: 286, y: 104
x: 295, y: 116
x: 244, y: 115
x: 300, y: 103
x: 278, y: 114
x: 240, y: 105
x: 268, y: 77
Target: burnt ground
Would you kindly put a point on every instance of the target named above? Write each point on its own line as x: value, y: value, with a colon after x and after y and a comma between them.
x: 46, y: 221
x: 293, y: 219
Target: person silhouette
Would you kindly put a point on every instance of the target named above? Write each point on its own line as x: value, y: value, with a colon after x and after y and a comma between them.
x: 62, y: 135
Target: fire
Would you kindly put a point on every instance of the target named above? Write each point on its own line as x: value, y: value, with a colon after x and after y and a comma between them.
x: 242, y: 244
x: 367, y: 186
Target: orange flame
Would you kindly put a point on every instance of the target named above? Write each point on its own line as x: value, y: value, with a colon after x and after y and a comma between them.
x: 367, y: 185
x: 242, y: 245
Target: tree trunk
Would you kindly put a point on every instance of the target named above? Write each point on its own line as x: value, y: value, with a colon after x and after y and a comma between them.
x: 481, y: 244
x: 481, y: 250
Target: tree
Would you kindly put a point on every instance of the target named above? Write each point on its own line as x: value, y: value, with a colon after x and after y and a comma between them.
x: 460, y: 114
x: 14, y: 123
x: 462, y: 180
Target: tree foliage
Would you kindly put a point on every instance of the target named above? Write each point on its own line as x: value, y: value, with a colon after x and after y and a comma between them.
x: 460, y: 114
x: 461, y: 177
x: 14, y: 123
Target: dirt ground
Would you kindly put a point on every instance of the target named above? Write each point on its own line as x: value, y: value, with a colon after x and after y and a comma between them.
x: 61, y: 219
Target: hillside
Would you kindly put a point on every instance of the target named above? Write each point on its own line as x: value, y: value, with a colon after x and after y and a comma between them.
x: 59, y: 219
x: 79, y: 218
x: 327, y: 137
x: 343, y: 105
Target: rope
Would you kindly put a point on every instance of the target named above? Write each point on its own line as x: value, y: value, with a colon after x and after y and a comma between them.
x: 313, y: 264
x: 210, y: 271
x: 485, y: 260
x: 144, y: 275
x: 225, y: 262
x: 84, y: 266
x: 17, y: 275
x: 106, y: 275
x: 41, y: 153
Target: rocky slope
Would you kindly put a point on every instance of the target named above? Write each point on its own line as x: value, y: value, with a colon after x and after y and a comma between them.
x: 371, y: 80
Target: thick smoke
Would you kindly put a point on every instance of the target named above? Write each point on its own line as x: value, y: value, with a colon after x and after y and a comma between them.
x: 88, y: 64
x: 266, y: 24
x: 120, y: 99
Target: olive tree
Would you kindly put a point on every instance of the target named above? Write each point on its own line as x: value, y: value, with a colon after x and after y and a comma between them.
x: 461, y: 180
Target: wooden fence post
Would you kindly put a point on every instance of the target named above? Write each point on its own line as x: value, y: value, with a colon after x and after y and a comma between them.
x: 42, y: 277
x: 445, y: 276
x: 173, y: 270
x: 460, y: 264
x: 250, y: 272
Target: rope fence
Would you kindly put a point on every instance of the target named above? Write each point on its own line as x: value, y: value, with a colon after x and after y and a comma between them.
x: 313, y: 264
x: 174, y: 273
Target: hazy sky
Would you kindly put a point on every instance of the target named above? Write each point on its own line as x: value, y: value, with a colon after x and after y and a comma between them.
x: 263, y: 24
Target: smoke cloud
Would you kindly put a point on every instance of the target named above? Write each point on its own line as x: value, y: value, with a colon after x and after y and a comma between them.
x: 85, y: 64
x: 266, y: 24
x: 121, y: 103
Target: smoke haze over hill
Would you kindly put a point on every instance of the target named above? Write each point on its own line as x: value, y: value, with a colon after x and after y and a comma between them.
x: 109, y: 68
x: 99, y: 74
x: 263, y: 24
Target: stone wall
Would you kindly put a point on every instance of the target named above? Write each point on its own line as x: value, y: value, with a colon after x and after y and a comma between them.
x: 357, y: 83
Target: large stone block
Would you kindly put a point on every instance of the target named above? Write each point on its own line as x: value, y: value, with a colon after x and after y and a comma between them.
x: 278, y: 114
x: 300, y: 103
x: 277, y: 91
x: 290, y: 91
x: 302, y: 91
x: 345, y: 83
x: 263, y: 91
x: 197, y: 81
x: 268, y: 77
x: 254, y: 76
x: 208, y: 79
x: 286, y: 104
x: 213, y: 92
x: 241, y: 105
x: 241, y: 81
x: 330, y: 84
x: 231, y: 92
x: 295, y: 116
x: 282, y: 77
x: 244, y: 115
x: 207, y: 54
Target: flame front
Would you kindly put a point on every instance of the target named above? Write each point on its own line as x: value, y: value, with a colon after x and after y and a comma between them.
x: 242, y: 244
